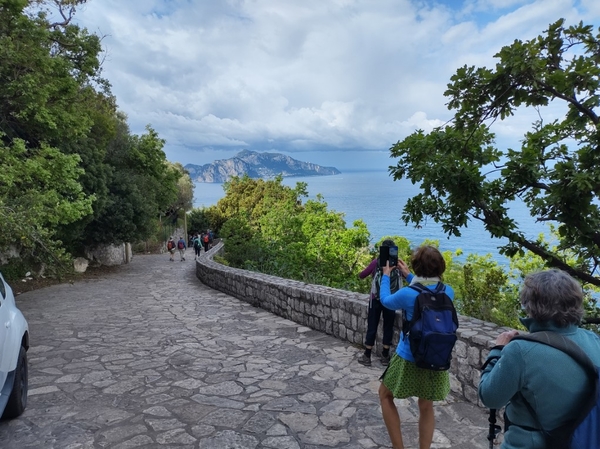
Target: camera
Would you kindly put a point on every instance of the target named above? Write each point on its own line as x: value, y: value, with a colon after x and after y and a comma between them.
x: 388, y: 253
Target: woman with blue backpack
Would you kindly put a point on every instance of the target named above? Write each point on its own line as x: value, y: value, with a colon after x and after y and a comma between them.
x: 407, y: 376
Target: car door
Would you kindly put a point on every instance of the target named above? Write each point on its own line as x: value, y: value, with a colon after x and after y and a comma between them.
x: 4, y: 322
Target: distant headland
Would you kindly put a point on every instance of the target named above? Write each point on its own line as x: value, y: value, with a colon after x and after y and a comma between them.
x: 256, y: 165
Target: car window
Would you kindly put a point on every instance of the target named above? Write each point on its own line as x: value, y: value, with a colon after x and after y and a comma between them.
x: 2, y: 291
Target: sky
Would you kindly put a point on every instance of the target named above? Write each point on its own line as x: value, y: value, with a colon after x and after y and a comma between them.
x: 333, y: 82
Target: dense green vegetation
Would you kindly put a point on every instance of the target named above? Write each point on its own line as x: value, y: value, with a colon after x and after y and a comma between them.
x: 73, y: 176
x: 556, y: 171
x: 269, y: 229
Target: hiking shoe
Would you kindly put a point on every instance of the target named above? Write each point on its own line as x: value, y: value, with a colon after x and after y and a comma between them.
x: 385, y: 360
x: 364, y: 360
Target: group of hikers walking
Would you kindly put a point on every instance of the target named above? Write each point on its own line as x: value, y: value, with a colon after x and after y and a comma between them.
x: 197, y: 241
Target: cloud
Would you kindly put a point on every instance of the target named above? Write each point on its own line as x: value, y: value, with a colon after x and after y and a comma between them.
x: 341, y: 75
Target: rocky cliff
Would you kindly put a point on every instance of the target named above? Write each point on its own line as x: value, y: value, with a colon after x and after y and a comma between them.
x: 256, y: 165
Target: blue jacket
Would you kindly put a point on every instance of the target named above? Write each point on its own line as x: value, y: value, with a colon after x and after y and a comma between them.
x: 551, y: 382
x: 404, y: 299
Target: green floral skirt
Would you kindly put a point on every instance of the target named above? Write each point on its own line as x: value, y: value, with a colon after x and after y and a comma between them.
x: 405, y: 379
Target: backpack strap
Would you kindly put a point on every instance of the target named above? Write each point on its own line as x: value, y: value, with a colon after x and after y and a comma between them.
x: 440, y: 287
x: 564, y: 344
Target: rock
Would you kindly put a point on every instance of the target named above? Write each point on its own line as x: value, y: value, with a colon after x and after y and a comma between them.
x: 109, y: 255
x: 80, y: 264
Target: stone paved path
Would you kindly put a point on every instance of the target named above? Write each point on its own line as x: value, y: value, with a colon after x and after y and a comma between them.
x: 149, y: 357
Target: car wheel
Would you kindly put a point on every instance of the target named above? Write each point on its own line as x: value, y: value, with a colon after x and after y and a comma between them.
x: 18, y: 396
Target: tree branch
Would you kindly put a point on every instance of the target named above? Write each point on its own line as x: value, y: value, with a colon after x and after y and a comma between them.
x: 588, y: 112
x: 491, y: 218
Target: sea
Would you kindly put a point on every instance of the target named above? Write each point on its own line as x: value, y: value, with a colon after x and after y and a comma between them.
x: 378, y: 200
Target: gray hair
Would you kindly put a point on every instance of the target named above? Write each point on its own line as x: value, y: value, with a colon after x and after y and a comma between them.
x: 552, y: 295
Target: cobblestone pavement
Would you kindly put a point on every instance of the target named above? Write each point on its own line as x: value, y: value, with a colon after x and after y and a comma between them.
x: 149, y: 357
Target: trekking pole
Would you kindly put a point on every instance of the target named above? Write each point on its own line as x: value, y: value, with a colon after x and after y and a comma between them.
x: 494, y: 428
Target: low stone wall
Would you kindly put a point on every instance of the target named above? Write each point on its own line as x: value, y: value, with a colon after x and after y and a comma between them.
x: 342, y: 314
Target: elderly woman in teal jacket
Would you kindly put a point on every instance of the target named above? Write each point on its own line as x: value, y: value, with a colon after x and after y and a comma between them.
x: 541, y: 387
x: 403, y: 378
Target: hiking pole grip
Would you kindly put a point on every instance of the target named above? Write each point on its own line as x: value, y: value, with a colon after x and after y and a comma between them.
x: 494, y: 429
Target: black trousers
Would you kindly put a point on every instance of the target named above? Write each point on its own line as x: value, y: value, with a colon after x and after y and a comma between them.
x: 376, y: 309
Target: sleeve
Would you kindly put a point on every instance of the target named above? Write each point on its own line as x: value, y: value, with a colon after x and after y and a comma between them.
x: 502, y: 376
x: 402, y: 299
x: 369, y: 270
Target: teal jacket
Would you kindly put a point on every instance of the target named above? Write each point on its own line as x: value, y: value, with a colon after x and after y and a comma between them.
x: 548, y: 379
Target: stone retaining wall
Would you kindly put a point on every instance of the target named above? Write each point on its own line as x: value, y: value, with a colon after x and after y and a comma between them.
x: 342, y: 314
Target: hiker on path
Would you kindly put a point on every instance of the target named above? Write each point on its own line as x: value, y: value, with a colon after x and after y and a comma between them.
x: 376, y: 310
x: 541, y: 387
x: 205, y: 240
x: 403, y: 378
x: 181, y: 246
x: 171, y: 249
x: 197, y: 246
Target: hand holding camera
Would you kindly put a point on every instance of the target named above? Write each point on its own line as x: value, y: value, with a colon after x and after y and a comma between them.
x: 388, y: 254
x: 388, y: 260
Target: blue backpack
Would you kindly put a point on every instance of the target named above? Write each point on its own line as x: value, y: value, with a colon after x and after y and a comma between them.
x: 431, y: 332
x: 583, y: 431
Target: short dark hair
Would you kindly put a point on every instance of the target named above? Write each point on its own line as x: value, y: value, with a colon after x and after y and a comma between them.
x: 427, y: 261
x: 552, y: 295
x: 388, y: 242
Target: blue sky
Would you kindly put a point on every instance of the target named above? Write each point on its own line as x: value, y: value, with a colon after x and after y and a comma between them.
x: 334, y: 82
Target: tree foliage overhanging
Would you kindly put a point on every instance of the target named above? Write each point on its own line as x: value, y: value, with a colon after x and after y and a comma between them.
x: 73, y: 176
x: 556, y: 171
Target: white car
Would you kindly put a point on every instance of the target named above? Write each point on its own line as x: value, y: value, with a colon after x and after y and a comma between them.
x: 14, y: 343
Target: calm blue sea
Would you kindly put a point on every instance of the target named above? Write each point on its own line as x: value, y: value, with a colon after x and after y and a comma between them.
x: 377, y: 199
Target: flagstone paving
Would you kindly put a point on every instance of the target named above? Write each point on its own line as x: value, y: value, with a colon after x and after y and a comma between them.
x: 149, y: 357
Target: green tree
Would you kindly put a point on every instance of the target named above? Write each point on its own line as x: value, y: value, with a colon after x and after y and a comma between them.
x: 199, y: 220
x: 141, y: 183
x: 56, y: 111
x: 183, y: 199
x: 267, y: 228
x: 555, y: 172
x: 49, y: 75
x: 39, y: 191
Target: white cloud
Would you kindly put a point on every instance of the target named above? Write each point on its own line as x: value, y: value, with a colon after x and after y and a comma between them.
x: 300, y: 76
x: 592, y: 7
